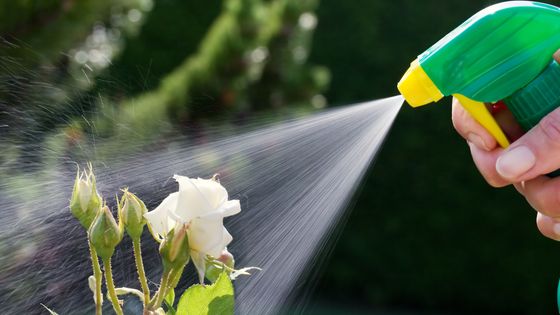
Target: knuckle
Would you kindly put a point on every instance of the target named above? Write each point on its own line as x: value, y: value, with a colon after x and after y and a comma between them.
x: 550, y: 127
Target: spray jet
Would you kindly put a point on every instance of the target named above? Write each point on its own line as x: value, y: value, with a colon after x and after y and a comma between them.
x: 502, y: 53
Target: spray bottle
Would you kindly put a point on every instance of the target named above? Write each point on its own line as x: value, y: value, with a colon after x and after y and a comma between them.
x: 502, y: 53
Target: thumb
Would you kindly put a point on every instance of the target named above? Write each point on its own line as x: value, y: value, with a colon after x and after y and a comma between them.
x: 535, y: 153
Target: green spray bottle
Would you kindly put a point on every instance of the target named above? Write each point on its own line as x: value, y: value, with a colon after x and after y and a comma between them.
x: 502, y: 53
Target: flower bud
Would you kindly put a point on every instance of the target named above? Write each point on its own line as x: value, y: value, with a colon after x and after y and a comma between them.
x: 105, y: 234
x: 174, y: 249
x: 214, y: 270
x: 85, y: 201
x: 132, y: 211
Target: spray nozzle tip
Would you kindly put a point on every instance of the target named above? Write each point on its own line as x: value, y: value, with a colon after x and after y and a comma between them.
x: 417, y: 87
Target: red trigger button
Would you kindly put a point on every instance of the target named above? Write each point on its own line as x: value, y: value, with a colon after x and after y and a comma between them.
x: 498, y: 107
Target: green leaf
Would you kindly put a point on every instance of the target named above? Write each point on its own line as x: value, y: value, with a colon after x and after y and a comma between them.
x: 169, y: 300
x: 170, y: 297
x: 50, y: 311
x: 170, y: 309
x: 215, y: 299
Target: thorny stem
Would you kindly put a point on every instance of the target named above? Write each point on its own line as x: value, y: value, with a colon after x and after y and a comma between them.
x: 160, y: 294
x: 140, y: 268
x: 111, y: 286
x: 176, y: 276
x: 98, y: 279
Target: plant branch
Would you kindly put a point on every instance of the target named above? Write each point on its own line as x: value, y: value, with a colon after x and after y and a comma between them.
x: 141, y: 272
x: 97, y: 274
x: 160, y: 294
x: 111, y: 286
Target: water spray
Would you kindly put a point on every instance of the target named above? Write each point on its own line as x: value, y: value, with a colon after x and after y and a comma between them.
x: 294, y: 179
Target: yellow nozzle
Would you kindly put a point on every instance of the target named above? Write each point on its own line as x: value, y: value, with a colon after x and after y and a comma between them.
x: 417, y: 88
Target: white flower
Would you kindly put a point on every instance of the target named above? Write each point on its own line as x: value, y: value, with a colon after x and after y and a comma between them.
x: 202, y: 204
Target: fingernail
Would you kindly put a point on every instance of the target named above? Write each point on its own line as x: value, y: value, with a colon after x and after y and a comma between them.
x: 556, y: 229
x: 515, y: 162
x: 477, y: 140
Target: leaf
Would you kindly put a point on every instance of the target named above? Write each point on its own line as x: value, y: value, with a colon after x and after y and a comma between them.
x: 169, y: 300
x: 242, y: 271
x: 124, y: 291
x: 170, y: 309
x: 215, y: 299
x: 50, y: 311
x: 170, y: 297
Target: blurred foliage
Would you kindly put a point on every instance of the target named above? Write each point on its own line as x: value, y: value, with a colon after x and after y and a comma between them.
x: 426, y: 229
x: 38, y: 68
x: 159, y: 47
x: 227, y: 73
x: 244, y: 62
x: 37, y: 32
x: 23, y: 12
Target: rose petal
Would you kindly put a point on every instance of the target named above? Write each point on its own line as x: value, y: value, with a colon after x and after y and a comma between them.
x: 85, y: 189
x: 231, y: 207
x: 206, y: 236
x: 199, y: 196
x: 159, y: 218
x: 212, y: 190
x: 228, y: 208
x: 192, y: 202
x: 199, y: 261
x: 227, y: 238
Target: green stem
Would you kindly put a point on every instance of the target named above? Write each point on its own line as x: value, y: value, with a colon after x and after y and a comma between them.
x: 175, y: 277
x: 140, y: 268
x: 98, y: 279
x: 160, y: 295
x: 111, y: 286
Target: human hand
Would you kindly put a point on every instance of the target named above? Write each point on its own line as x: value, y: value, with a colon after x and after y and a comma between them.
x: 524, y: 163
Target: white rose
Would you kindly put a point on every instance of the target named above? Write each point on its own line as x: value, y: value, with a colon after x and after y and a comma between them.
x: 202, y: 204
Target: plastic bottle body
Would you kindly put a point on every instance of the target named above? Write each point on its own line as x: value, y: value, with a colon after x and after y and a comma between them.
x: 496, y: 52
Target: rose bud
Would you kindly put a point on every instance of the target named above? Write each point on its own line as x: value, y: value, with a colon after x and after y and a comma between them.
x: 85, y: 201
x: 132, y: 211
x: 174, y: 249
x: 105, y: 234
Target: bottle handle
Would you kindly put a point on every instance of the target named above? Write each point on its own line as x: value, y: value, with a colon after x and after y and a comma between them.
x: 483, y: 116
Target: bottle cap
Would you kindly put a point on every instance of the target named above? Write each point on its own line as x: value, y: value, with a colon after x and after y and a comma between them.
x: 417, y: 87
x: 538, y: 98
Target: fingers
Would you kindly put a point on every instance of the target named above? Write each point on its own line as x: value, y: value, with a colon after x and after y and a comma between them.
x: 484, y: 148
x: 543, y: 194
x: 548, y: 226
x: 473, y: 132
x: 470, y: 129
x: 523, y: 163
x: 509, y: 125
x: 485, y: 161
x: 535, y: 153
